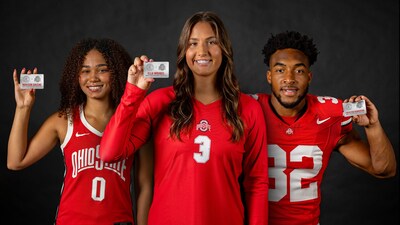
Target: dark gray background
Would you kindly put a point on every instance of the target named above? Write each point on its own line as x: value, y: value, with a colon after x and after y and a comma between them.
x: 359, y: 54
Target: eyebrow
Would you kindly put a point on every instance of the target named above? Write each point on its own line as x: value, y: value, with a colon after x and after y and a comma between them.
x: 296, y: 65
x: 97, y: 66
x: 196, y: 39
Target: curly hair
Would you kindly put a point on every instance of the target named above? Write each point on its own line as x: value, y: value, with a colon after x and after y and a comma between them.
x: 118, y: 61
x: 290, y: 39
x: 181, y: 108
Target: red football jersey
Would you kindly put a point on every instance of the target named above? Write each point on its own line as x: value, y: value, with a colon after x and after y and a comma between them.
x: 197, y: 180
x: 94, y: 192
x: 298, y: 155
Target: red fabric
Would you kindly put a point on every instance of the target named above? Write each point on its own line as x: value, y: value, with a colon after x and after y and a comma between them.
x: 94, y: 192
x: 197, y: 180
x: 299, y: 154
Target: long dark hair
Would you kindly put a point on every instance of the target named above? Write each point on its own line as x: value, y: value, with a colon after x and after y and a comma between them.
x: 118, y: 61
x: 181, y: 109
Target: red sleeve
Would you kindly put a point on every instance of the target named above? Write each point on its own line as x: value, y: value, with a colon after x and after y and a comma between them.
x: 255, y: 167
x: 118, y: 141
x: 345, y: 124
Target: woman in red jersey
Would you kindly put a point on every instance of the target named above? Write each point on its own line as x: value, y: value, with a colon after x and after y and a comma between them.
x: 210, y: 159
x: 91, y: 86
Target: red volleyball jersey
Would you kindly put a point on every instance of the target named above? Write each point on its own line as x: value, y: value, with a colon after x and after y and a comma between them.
x: 94, y: 192
x: 198, y: 180
x: 298, y: 155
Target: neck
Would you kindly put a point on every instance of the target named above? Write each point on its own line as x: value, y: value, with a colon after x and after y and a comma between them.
x: 98, y: 109
x: 280, y: 110
x: 205, y: 91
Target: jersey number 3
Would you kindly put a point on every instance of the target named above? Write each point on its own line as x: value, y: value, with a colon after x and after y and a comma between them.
x: 204, y: 149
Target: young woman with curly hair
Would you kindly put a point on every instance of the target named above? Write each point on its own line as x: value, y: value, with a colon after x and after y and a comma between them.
x: 91, y: 86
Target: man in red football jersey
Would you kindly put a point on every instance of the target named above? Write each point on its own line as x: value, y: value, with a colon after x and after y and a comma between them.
x: 304, y: 129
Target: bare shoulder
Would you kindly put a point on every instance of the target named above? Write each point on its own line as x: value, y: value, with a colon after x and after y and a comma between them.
x: 57, y: 123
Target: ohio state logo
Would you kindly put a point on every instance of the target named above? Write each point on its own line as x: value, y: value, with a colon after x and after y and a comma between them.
x: 203, y: 126
x: 289, y: 131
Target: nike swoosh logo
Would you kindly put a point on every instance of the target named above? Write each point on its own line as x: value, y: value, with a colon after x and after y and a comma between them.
x: 80, y: 135
x: 322, y: 121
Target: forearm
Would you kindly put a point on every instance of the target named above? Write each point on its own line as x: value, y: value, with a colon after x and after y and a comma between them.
x: 255, y: 183
x: 255, y: 186
x: 116, y: 143
x: 381, y: 150
x: 143, y: 205
x: 257, y: 206
x: 145, y: 183
x: 255, y: 169
x: 18, y: 139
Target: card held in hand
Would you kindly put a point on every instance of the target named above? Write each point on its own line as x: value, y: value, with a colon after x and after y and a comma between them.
x: 31, y: 81
x: 156, y: 69
x: 354, y: 108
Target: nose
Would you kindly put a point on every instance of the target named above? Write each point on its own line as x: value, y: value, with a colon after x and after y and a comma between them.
x: 202, y: 49
x: 93, y: 76
x: 289, y: 77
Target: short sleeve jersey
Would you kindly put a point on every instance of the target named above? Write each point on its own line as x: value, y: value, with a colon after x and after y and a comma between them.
x: 93, y: 192
x: 298, y: 155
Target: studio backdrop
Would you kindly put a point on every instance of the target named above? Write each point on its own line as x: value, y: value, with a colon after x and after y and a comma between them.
x: 359, y: 54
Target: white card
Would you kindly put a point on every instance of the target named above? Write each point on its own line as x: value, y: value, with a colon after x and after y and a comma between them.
x: 31, y: 81
x: 354, y: 108
x: 156, y: 69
